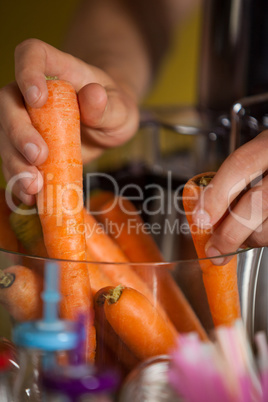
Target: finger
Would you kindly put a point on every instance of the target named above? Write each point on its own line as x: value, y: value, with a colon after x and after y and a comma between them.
x: 22, y: 176
x: 31, y: 81
x: 19, y: 174
x: 259, y: 238
x: 237, y: 171
x: 35, y: 59
x: 245, y: 218
x: 17, y: 130
x: 16, y: 186
x: 110, y: 116
x: 93, y: 100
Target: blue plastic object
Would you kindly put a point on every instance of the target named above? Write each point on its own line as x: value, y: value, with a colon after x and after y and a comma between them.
x: 49, y: 334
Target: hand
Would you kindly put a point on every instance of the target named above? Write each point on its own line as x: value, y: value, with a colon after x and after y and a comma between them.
x: 242, y: 183
x: 109, y: 113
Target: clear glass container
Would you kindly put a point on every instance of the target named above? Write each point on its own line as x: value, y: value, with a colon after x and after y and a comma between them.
x: 6, y: 367
x: 188, y: 277
x: 27, y: 383
x: 151, y: 170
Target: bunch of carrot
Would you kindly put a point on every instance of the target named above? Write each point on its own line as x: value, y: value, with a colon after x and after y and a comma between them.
x: 117, y: 298
x: 220, y: 281
x: 59, y: 203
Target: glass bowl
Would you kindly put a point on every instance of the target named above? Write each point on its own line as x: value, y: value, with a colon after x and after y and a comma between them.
x: 151, y: 171
x: 186, y: 274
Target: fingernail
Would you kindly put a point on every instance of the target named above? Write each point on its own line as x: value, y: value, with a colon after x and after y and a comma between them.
x: 214, y: 252
x: 32, y: 94
x: 31, y: 152
x: 28, y: 180
x: 202, y: 219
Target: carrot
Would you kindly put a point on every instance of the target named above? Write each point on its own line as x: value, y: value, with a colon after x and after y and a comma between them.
x: 106, y: 336
x: 60, y: 200
x: 97, y: 198
x: 98, y: 279
x: 129, y: 230
x: 20, y: 292
x: 28, y: 230
x: 220, y: 281
x: 139, y: 246
x: 138, y: 323
x: 8, y: 239
x: 104, y: 248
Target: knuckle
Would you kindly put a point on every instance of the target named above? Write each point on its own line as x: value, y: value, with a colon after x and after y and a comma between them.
x: 228, y: 238
x: 239, y: 160
x: 9, y: 160
x: 16, y: 165
x: 265, y: 200
x: 259, y: 197
x: 13, y: 131
x: 25, y: 45
x: 4, y: 91
x: 258, y: 239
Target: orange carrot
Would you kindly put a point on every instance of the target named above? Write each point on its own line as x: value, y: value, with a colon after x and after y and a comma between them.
x: 100, y: 245
x: 106, y: 336
x: 103, y: 248
x: 129, y: 231
x: 8, y: 239
x: 220, y: 281
x: 61, y: 200
x: 138, y: 323
x: 98, y: 279
x: 97, y: 198
x: 29, y: 231
x: 20, y: 292
x: 139, y: 246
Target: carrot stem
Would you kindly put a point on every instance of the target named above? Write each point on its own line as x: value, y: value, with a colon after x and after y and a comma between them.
x: 6, y: 279
x: 204, y: 180
x: 114, y: 294
x: 51, y: 77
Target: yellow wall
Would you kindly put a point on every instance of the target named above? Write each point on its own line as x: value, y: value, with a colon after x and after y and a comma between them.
x: 177, y: 80
x: 19, y: 20
x: 47, y: 20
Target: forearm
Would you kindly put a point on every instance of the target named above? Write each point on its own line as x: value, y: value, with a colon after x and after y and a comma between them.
x: 127, y: 39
